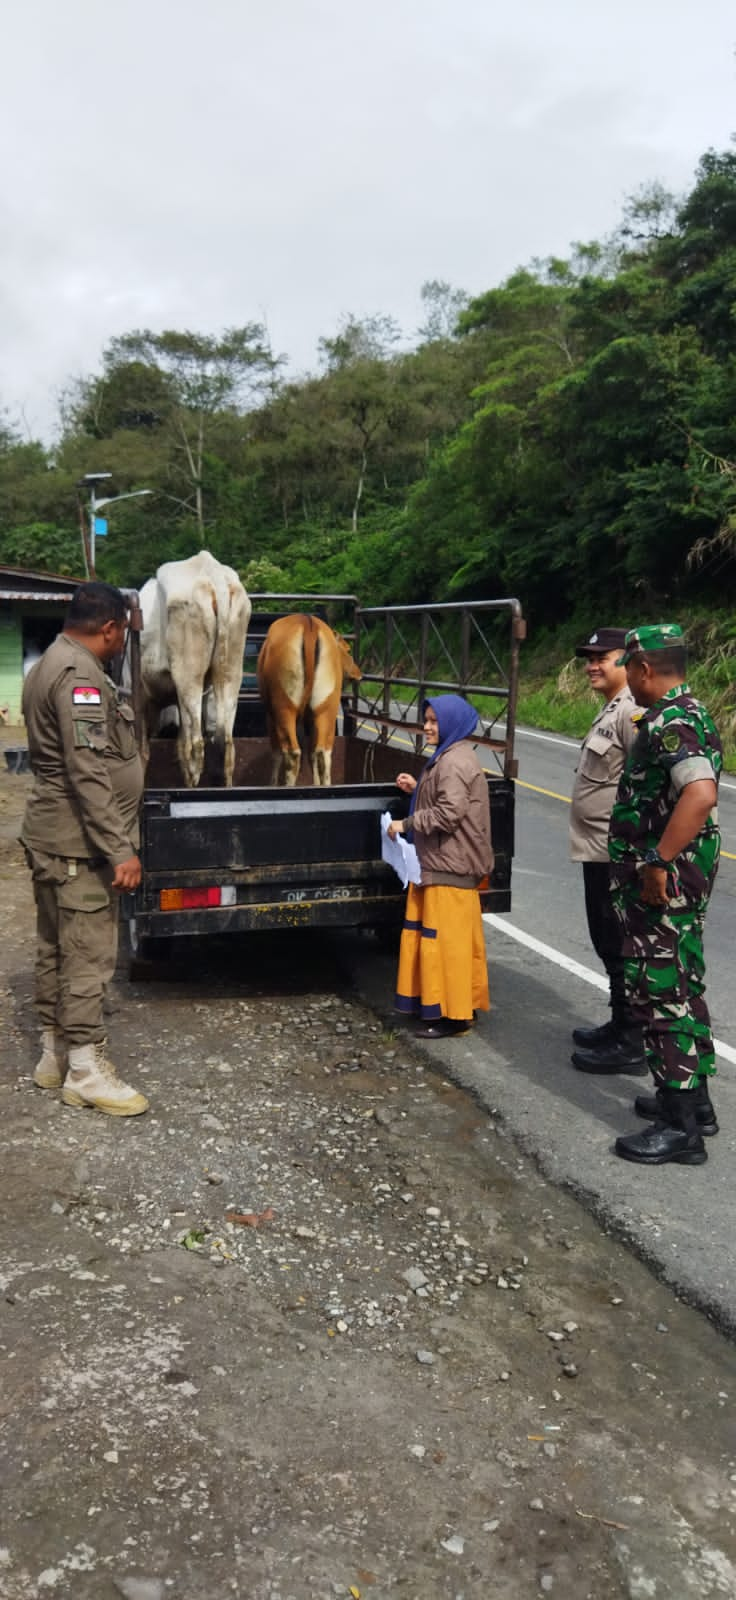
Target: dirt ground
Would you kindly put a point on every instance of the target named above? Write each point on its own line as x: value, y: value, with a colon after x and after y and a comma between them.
x: 417, y: 1370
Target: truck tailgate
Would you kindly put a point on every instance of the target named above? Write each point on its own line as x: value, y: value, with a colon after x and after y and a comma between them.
x: 285, y: 857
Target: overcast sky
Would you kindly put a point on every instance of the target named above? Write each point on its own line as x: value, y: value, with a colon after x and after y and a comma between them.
x: 204, y: 163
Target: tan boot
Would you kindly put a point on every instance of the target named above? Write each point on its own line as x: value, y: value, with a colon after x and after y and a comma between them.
x: 93, y: 1081
x: 50, y: 1069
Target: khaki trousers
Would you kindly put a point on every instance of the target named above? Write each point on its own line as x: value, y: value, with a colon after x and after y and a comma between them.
x: 76, y: 943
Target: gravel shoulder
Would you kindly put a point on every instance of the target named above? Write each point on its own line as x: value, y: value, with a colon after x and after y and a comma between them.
x: 406, y: 1363
x: 518, y: 1060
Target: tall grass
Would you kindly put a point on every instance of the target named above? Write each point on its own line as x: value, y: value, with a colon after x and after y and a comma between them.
x: 560, y: 699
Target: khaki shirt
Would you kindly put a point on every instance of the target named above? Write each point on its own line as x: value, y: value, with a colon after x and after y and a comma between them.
x: 88, y: 777
x: 602, y: 757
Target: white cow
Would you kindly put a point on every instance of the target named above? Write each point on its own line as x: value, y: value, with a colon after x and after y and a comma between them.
x: 195, y: 623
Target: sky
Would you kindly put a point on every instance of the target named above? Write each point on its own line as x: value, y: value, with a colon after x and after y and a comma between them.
x: 182, y: 164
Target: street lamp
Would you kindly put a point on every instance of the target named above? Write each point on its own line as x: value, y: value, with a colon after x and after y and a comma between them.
x: 89, y: 481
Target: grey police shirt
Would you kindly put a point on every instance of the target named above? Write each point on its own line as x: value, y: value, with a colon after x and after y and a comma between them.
x: 602, y: 756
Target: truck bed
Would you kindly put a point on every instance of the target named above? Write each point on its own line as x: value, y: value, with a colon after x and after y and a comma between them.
x: 285, y: 857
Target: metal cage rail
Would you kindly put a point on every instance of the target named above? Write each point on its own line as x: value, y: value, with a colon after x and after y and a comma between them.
x: 407, y: 653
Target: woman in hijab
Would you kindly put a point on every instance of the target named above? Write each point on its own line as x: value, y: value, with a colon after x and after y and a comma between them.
x: 443, y: 977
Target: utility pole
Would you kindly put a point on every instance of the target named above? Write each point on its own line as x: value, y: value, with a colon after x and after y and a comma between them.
x: 89, y: 481
x: 84, y: 533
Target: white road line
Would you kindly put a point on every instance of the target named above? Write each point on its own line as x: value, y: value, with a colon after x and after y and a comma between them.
x: 551, y: 738
x: 500, y: 925
x: 546, y: 950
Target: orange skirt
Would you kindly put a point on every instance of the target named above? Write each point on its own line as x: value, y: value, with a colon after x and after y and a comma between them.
x: 442, y: 958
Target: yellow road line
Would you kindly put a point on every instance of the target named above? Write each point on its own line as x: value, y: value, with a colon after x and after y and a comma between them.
x: 551, y: 793
x: 553, y: 796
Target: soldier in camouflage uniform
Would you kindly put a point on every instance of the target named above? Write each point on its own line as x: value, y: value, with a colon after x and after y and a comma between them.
x: 664, y: 846
x: 80, y: 833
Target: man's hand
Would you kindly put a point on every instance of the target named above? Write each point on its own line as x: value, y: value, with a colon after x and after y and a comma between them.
x: 127, y: 875
x: 654, y: 886
x: 394, y: 828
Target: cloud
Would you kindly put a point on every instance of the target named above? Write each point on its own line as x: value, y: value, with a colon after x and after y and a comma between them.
x: 188, y: 166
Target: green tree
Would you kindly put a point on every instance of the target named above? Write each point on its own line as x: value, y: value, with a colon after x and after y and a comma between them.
x: 179, y: 391
x: 45, y: 547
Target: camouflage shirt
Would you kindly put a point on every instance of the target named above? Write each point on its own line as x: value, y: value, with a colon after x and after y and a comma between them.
x: 677, y: 743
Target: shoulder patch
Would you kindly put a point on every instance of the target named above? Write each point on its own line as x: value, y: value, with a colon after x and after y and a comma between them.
x: 671, y: 741
x: 86, y: 694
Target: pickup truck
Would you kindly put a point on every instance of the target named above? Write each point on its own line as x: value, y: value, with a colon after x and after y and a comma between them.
x: 219, y: 861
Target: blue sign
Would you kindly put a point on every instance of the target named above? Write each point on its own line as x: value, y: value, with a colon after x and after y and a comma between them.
x: 100, y: 527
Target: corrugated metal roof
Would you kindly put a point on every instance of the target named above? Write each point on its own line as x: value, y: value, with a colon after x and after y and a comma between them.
x: 34, y: 594
x: 28, y: 572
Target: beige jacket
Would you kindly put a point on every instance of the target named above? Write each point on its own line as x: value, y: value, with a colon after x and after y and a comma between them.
x: 452, y: 820
x: 602, y: 757
x: 87, y: 772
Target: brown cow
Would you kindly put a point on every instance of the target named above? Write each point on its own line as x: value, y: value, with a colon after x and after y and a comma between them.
x: 300, y: 674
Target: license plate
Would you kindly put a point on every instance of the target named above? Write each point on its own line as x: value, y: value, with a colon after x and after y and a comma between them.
x: 327, y: 891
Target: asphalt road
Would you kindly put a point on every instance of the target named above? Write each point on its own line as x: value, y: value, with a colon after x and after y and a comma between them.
x: 548, y: 892
x: 545, y: 979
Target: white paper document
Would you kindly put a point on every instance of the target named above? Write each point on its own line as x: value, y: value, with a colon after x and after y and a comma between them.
x: 399, y: 854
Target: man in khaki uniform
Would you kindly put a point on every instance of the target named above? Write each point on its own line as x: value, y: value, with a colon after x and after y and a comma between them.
x: 617, y: 1046
x: 80, y: 834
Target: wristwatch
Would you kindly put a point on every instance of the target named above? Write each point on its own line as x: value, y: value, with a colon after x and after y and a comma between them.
x: 652, y: 858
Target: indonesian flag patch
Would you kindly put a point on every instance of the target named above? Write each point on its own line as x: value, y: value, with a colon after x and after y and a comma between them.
x: 86, y: 694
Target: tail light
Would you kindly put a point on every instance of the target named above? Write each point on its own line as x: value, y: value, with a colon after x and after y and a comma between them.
x: 193, y: 899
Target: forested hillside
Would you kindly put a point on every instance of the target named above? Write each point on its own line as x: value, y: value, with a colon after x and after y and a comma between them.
x: 567, y: 437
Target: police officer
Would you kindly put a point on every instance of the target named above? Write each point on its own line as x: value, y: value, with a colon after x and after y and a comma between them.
x: 617, y: 1046
x: 80, y: 834
x: 664, y: 844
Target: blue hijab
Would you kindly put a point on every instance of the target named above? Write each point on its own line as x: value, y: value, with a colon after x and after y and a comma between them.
x: 456, y: 719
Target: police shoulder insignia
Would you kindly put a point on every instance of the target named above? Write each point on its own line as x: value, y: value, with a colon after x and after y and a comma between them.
x: 670, y: 741
x: 86, y: 694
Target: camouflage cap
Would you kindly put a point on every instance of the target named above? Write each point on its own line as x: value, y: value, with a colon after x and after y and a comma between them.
x: 651, y: 636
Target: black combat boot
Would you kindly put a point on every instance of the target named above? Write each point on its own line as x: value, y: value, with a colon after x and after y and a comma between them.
x: 624, y: 1053
x: 594, y: 1038
x: 677, y: 1139
x: 653, y: 1106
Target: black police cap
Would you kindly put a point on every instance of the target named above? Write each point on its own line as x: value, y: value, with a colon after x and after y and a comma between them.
x: 601, y: 640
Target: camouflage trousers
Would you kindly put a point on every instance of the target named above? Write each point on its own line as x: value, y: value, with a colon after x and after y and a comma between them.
x: 664, y: 971
x: 76, y: 943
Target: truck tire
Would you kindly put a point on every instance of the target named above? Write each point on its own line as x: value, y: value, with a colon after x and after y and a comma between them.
x: 143, y: 953
x: 388, y: 935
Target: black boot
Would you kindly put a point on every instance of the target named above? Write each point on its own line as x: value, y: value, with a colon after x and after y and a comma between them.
x: 676, y: 1139
x: 653, y: 1106
x: 443, y: 1028
x: 625, y: 1053
x: 594, y: 1038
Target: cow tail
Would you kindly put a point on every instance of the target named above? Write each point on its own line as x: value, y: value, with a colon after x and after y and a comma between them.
x: 310, y: 653
x: 221, y: 608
